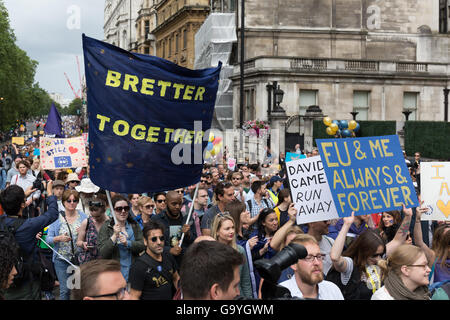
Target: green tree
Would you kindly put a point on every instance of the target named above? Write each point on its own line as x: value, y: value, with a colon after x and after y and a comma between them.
x: 74, y: 107
x: 20, y: 97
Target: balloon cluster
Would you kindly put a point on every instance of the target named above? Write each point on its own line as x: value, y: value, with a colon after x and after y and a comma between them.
x: 214, y: 146
x: 341, y: 128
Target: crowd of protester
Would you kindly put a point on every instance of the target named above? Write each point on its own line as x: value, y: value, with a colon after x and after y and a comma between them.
x: 166, y: 245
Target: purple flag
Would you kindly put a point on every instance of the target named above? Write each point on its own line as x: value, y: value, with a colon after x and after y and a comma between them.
x: 53, y: 125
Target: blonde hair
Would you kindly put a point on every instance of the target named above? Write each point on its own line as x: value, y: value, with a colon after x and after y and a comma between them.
x: 304, y: 238
x: 404, y: 255
x: 143, y: 200
x: 217, y: 223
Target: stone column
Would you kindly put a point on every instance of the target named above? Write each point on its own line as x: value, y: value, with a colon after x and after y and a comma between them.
x: 277, y: 131
x: 312, y: 113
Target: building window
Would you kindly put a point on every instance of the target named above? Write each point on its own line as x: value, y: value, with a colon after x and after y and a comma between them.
x: 410, y: 104
x: 147, y: 50
x: 361, y: 104
x: 147, y: 28
x: 164, y: 49
x: 184, y: 39
x: 249, y: 104
x: 169, y: 42
x: 307, y: 98
x: 176, y: 43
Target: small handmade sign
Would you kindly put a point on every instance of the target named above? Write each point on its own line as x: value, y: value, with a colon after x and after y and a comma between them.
x: 57, y: 153
x: 435, y: 190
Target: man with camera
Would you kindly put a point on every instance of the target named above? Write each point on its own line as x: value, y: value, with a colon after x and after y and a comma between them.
x: 26, y: 180
x: 308, y: 281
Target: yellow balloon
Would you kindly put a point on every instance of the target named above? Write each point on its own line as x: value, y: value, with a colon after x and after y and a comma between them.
x: 211, y: 137
x: 216, y: 149
x: 330, y: 132
x: 207, y: 155
x: 334, y: 127
x: 327, y: 121
x: 352, y: 124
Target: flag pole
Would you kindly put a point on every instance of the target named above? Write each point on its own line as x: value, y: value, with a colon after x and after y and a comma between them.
x: 108, y: 195
x: 190, y: 211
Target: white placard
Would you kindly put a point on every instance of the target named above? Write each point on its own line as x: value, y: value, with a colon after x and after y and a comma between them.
x: 435, y: 190
x: 310, y: 191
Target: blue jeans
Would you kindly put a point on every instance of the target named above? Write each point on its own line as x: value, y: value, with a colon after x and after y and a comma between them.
x: 61, y: 268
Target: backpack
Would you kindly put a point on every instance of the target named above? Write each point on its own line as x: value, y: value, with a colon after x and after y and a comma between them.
x: 438, y: 290
x: 7, y: 236
x: 249, y: 202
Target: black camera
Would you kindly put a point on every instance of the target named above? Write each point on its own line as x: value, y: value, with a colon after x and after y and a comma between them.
x: 270, y: 270
x: 37, y: 184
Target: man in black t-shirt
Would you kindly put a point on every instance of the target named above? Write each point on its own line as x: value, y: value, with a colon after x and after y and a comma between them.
x: 154, y: 275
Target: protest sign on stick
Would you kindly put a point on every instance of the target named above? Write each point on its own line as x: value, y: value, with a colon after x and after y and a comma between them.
x: 310, y: 191
x: 58, y: 153
x: 367, y: 175
x: 290, y: 156
x: 435, y: 190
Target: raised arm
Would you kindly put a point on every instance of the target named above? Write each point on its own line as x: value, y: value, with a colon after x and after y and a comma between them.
x: 279, y: 237
x: 418, y: 238
x: 339, y: 262
x: 402, y: 232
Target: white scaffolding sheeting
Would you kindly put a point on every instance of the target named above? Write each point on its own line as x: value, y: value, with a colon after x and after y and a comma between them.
x: 213, y: 43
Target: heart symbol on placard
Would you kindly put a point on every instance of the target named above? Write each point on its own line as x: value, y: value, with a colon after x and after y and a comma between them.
x: 73, y: 150
x: 445, y: 208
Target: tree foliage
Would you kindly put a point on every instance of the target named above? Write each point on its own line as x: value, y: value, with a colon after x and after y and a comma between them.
x: 20, y: 97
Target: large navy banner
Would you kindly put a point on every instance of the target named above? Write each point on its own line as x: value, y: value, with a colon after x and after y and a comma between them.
x: 148, y: 119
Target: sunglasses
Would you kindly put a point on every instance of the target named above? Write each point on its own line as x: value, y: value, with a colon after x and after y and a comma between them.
x: 72, y: 201
x: 154, y: 239
x: 160, y: 201
x: 96, y: 204
x: 149, y: 206
x: 120, y: 209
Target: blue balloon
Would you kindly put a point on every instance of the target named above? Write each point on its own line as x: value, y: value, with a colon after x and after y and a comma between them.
x: 338, y: 133
x: 336, y: 121
x: 343, y: 124
x: 209, y: 146
x: 356, y: 128
x: 346, y: 133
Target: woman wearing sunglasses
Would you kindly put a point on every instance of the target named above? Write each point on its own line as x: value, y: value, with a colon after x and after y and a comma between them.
x: 145, y: 210
x: 63, y: 234
x: 89, y: 228
x: 122, y: 241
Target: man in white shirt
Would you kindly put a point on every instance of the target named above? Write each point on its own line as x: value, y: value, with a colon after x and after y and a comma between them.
x: 308, y: 281
x: 319, y: 230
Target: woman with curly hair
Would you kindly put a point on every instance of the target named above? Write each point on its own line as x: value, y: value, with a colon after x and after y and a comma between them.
x: 8, y: 258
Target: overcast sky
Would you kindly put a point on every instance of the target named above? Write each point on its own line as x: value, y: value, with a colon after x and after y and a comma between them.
x: 50, y: 32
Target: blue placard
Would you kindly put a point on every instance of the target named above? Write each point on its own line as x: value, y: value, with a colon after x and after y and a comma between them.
x: 294, y: 156
x: 367, y: 175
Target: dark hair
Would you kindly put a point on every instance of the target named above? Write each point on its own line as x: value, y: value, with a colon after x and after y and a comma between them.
x: 25, y: 163
x: 220, y: 189
x: 152, y: 225
x: 256, y: 185
x: 116, y: 199
x: 206, y: 263
x: 8, y: 258
x: 364, y: 246
x: 156, y: 195
x: 284, y: 194
x: 130, y: 195
x: 89, y: 273
x: 235, y: 208
x: 11, y: 199
x: 261, y: 218
x: 191, y: 194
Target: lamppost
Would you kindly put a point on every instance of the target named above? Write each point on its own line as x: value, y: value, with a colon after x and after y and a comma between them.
x: 354, y: 113
x: 274, y: 98
x: 446, y: 91
x: 407, y: 113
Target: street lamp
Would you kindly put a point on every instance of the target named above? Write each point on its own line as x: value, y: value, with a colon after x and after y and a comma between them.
x: 354, y: 113
x: 278, y: 94
x: 407, y: 113
x: 274, y: 91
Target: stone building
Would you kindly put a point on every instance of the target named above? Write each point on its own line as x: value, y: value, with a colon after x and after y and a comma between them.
x: 145, y: 24
x: 375, y: 57
x: 120, y: 22
x: 177, y: 23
